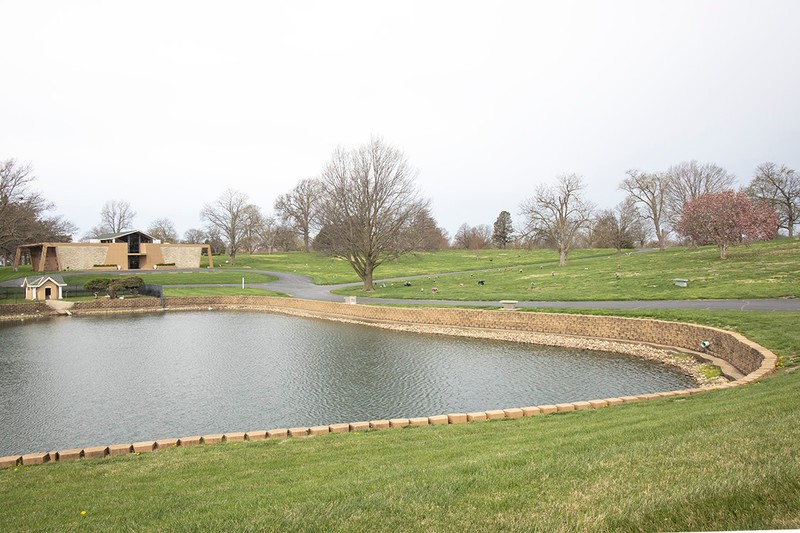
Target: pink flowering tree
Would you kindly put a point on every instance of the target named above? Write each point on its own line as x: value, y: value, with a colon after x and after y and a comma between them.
x: 726, y: 219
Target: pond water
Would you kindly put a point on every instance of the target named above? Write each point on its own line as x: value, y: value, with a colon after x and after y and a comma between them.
x: 84, y: 381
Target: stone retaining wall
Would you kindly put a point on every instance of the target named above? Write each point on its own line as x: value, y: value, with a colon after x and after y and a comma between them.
x: 731, y: 347
x: 748, y: 357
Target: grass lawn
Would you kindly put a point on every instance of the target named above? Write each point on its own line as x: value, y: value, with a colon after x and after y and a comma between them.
x: 764, y: 270
x: 211, y: 277
x: 175, y: 292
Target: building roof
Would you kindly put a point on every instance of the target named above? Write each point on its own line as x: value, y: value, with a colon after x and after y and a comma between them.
x: 38, y: 281
x: 106, y: 237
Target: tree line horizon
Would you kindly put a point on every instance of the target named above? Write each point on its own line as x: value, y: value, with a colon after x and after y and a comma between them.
x: 366, y: 208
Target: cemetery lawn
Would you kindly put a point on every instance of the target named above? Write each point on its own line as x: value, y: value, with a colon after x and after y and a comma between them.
x: 716, y: 461
x: 763, y: 270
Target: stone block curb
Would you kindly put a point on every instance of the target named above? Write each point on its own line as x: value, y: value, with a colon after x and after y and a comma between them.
x: 379, y: 424
x: 234, y: 437
x: 98, y: 452
x: 298, y: 432
x: 281, y: 433
x: 457, y: 418
x: 35, y: 458
x: 69, y: 455
x: 116, y: 449
x: 472, y: 417
x: 261, y: 434
x: 398, y: 422
x: 165, y: 444
x: 214, y: 438
x: 339, y: 428
x: 318, y: 430
x: 438, y: 420
x: 143, y: 446
x: 494, y: 414
x: 359, y: 426
x: 189, y: 441
x: 10, y: 461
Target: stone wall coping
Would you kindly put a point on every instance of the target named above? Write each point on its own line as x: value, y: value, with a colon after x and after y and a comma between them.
x: 270, y: 304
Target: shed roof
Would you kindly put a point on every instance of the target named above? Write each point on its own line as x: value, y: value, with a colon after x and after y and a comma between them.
x: 38, y: 281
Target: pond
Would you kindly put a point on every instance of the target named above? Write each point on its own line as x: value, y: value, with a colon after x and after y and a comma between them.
x: 73, y: 382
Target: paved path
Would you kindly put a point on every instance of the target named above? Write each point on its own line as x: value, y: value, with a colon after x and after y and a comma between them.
x: 299, y: 286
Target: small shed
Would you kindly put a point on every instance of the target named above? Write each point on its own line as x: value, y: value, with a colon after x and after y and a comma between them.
x: 44, y: 288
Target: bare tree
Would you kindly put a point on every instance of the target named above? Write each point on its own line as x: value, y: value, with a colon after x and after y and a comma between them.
x: 369, y: 197
x: 689, y: 180
x: 194, y: 236
x: 650, y: 190
x: 116, y: 216
x: 22, y: 212
x: 228, y: 216
x: 779, y: 187
x: 558, y: 213
x: 300, y: 206
x: 618, y: 228
x: 254, y: 229
x: 164, y: 230
x: 473, y: 238
x: 420, y: 234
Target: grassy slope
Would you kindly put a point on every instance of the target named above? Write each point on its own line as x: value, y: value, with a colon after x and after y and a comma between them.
x: 721, y: 460
x: 765, y: 270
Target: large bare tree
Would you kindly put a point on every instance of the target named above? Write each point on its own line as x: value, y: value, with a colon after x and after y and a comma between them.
x: 778, y: 186
x: 116, y: 216
x: 300, y: 207
x: 690, y: 180
x: 22, y: 212
x: 369, y: 198
x: 228, y: 215
x: 163, y: 229
x: 650, y: 189
x: 558, y: 213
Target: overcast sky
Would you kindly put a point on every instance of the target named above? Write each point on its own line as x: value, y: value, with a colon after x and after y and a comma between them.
x: 167, y: 104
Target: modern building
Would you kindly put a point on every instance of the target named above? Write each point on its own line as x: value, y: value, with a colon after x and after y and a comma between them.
x: 44, y: 288
x: 128, y: 250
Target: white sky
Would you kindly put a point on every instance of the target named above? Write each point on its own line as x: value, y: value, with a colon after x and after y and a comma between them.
x: 167, y: 104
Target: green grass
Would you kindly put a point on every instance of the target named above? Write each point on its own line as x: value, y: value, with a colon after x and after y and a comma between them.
x: 764, y: 270
x: 175, y: 292
x: 211, y: 277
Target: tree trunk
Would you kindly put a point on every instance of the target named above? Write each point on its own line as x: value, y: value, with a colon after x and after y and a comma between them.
x: 562, y: 257
x: 368, y: 280
x: 723, y: 251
